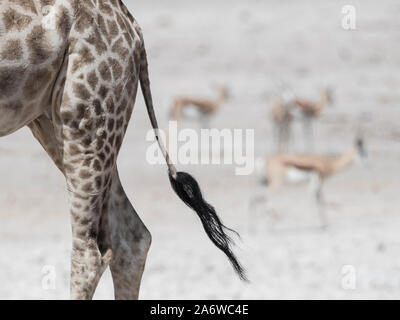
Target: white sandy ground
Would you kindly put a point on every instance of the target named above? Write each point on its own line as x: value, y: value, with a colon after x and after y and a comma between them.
x: 246, y: 44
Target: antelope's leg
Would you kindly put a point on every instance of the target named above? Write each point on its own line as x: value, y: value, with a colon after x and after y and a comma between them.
x: 288, y: 134
x: 317, y: 188
x: 308, y: 133
x: 321, y: 208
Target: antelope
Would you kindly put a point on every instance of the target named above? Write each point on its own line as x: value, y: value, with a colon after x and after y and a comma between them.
x: 313, y: 109
x: 295, y: 168
x: 205, y: 107
x: 310, y: 110
x: 283, y: 115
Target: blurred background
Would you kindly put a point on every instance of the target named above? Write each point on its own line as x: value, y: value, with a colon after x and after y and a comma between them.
x: 260, y: 50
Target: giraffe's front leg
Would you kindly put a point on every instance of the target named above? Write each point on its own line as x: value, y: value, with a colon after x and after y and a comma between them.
x: 129, y: 239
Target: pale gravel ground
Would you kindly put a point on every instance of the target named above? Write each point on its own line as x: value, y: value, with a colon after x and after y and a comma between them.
x: 193, y: 44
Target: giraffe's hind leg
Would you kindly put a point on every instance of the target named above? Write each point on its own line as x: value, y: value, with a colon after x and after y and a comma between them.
x: 88, y: 262
x: 92, y: 133
x: 88, y: 193
x: 129, y: 239
x: 89, y: 160
x: 88, y: 183
x: 120, y: 228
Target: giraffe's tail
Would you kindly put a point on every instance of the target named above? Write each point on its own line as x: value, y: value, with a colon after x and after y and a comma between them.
x: 186, y: 187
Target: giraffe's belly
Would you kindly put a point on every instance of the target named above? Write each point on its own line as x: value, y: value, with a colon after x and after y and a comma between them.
x: 11, y: 117
x: 25, y: 94
x: 31, y: 52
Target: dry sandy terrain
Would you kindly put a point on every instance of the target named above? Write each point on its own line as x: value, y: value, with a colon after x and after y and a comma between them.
x: 247, y: 45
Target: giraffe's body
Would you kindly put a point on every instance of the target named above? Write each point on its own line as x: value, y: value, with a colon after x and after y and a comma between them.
x: 26, y: 67
x: 69, y: 69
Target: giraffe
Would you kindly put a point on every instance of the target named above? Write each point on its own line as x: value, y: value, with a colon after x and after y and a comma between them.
x: 70, y: 71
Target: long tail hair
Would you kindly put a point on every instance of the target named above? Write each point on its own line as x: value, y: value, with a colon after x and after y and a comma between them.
x: 185, y: 186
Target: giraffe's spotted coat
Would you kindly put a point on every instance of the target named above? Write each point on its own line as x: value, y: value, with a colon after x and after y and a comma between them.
x: 69, y: 71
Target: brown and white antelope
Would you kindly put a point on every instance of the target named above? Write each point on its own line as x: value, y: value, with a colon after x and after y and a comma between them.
x: 311, y: 110
x: 315, y: 168
x: 282, y: 117
x: 284, y: 112
x: 205, y: 107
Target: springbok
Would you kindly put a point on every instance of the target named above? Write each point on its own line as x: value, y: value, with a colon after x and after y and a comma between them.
x: 205, y: 107
x: 282, y: 117
x: 284, y: 112
x: 311, y: 110
x: 316, y: 168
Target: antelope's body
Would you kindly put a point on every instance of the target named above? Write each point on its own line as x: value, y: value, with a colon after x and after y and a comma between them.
x: 206, y: 107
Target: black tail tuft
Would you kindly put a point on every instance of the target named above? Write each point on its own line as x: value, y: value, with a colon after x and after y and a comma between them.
x: 187, y: 188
